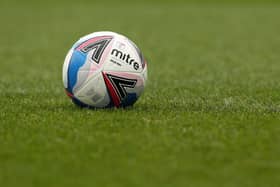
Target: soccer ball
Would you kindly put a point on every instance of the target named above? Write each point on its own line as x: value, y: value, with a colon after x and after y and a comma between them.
x: 104, y: 69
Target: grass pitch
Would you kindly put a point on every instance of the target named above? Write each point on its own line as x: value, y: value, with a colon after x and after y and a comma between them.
x: 209, y: 115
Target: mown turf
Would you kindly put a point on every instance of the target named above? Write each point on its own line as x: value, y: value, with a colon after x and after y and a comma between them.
x: 209, y: 116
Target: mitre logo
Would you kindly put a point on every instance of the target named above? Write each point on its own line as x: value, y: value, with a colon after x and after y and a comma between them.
x: 125, y: 57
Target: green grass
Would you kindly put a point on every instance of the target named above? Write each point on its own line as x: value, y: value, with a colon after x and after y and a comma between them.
x: 209, y: 116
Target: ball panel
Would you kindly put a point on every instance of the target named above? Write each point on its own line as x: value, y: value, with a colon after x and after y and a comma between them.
x: 65, y: 68
x: 130, y: 99
x: 123, y: 57
x: 83, y: 74
x: 94, y: 92
x: 124, y: 87
x: 78, y: 59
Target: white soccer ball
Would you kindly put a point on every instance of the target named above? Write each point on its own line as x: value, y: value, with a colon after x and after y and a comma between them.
x: 104, y: 69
